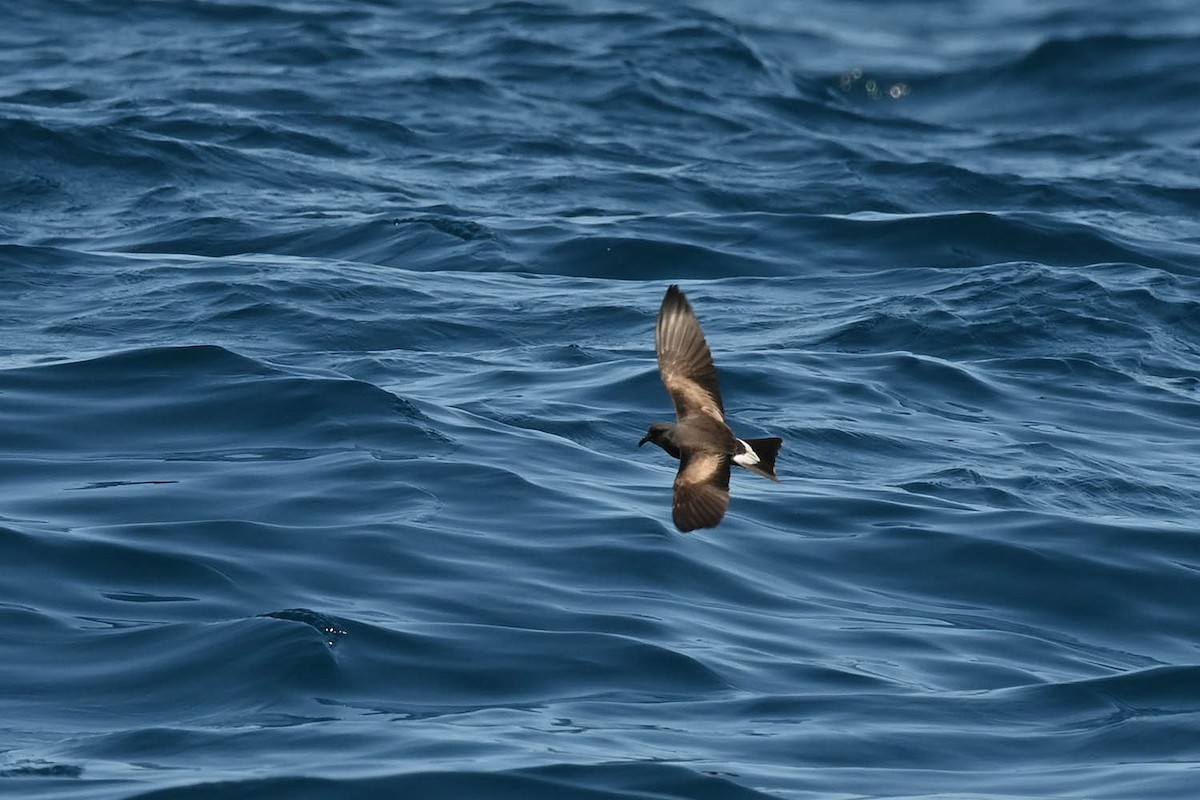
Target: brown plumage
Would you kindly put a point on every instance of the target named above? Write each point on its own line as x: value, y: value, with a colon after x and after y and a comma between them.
x: 700, y: 438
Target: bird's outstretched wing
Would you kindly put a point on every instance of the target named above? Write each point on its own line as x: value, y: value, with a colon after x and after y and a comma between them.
x: 701, y: 490
x: 684, y: 359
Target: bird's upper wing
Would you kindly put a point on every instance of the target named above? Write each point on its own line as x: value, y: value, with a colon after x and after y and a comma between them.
x: 701, y: 490
x: 684, y: 359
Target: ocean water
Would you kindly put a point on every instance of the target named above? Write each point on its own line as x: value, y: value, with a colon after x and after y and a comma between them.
x: 326, y: 341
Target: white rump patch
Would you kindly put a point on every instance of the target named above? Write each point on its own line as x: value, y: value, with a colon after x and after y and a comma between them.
x: 746, y: 458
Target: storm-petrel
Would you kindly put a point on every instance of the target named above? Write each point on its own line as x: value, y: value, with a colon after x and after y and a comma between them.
x: 700, y: 439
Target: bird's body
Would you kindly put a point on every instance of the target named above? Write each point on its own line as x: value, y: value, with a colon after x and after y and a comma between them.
x: 700, y: 438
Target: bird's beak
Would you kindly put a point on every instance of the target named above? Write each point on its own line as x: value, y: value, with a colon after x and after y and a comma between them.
x: 645, y: 439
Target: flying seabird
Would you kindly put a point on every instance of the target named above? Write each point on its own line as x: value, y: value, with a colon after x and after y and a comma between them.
x: 700, y: 439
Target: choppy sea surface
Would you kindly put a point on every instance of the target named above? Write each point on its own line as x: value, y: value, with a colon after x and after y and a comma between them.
x: 326, y: 341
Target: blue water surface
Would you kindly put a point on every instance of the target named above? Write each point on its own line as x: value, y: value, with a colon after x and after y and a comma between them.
x: 326, y: 341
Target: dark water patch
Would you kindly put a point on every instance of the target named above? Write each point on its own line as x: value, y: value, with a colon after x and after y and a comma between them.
x: 45, y: 97
x: 142, y: 597
x: 968, y: 486
x: 1059, y: 80
x: 973, y: 238
x: 209, y: 389
x: 1156, y: 691
x: 42, y: 770
x: 632, y: 781
x: 636, y: 259
x: 188, y: 678
x: 571, y: 664
x: 413, y: 244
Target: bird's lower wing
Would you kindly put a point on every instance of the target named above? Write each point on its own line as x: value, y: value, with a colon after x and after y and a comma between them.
x: 701, y: 490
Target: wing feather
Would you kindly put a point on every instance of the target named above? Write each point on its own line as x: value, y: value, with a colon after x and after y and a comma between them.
x: 684, y: 360
x: 701, y: 490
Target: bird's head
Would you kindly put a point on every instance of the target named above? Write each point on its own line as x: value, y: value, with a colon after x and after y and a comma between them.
x: 659, y: 433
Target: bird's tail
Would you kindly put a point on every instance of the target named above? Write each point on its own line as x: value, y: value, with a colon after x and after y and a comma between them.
x: 766, y: 450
